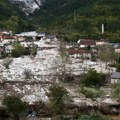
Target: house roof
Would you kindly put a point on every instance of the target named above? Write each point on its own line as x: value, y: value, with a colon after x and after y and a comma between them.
x: 87, y: 42
x: 115, y: 75
x: 77, y: 52
x: 118, y: 47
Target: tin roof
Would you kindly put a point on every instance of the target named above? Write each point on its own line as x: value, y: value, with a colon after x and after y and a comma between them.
x: 116, y: 75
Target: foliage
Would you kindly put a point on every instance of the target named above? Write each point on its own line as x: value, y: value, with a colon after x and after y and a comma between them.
x: 83, y: 17
x: 19, y: 50
x: 11, y: 18
x: 93, y: 116
x: 106, y: 53
x: 91, y: 93
x: 15, y: 106
x: 33, y: 51
x: 57, y: 97
x: 116, y: 92
x: 92, y: 78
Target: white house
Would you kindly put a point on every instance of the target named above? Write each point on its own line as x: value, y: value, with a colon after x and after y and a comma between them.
x: 85, y: 43
x: 115, y: 78
x: 101, y: 42
x: 8, y: 49
x: 27, y: 44
x: 79, y: 53
x: 51, y: 38
x: 8, y: 39
x: 117, y: 49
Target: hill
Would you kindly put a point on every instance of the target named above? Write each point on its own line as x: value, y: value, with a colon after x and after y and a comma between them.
x: 12, y: 18
x: 81, y: 18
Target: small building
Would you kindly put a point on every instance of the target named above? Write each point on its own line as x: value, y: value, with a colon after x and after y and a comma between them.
x: 85, y: 43
x: 8, y: 49
x: 79, y: 54
x: 100, y: 42
x: 8, y: 39
x: 115, y: 78
x: 117, y: 49
x: 51, y: 38
x: 27, y: 44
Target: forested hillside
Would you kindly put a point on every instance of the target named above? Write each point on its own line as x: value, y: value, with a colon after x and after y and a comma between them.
x: 11, y: 18
x: 81, y: 18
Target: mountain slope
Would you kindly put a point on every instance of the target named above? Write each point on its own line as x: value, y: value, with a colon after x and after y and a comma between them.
x: 12, y: 18
x: 82, y: 17
x: 27, y: 6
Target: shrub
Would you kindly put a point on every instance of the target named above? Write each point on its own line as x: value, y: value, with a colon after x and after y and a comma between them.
x: 15, y: 106
x: 92, y: 93
x: 57, y: 98
x: 92, y: 78
x: 93, y: 116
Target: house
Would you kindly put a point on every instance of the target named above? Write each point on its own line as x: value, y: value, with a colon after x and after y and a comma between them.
x: 8, y: 39
x: 85, y: 43
x: 40, y: 35
x: 117, y: 49
x: 51, y: 38
x: 27, y: 44
x: 100, y: 42
x: 20, y: 38
x: 79, y: 54
x: 115, y: 78
x: 8, y: 49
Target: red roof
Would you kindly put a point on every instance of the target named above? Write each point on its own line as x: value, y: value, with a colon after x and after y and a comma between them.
x: 87, y: 42
x: 9, y: 37
x: 77, y: 51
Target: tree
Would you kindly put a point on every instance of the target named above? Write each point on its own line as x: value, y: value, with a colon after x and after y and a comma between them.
x: 18, y: 50
x: 13, y: 23
x: 92, y: 78
x: 106, y: 53
x: 15, y: 106
x: 57, y: 97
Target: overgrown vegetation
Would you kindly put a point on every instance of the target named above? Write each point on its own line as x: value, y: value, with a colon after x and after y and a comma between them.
x: 19, y: 50
x: 15, y: 107
x: 93, y: 116
x: 92, y: 93
x: 57, y: 97
x: 92, y: 79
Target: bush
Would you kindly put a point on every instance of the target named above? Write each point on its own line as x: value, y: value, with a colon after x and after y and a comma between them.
x: 92, y: 78
x: 93, y: 116
x: 116, y: 92
x: 92, y: 93
x: 57, y: 97
x: 15, y: 106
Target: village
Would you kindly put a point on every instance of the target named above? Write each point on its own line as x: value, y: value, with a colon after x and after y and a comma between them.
x: 30, y: 76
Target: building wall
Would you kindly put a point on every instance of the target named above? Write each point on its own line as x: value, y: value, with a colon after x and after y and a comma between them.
x: 115, y: 80
x: 117, y: 50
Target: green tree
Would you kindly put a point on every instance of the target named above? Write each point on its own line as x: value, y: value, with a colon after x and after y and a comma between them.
x: 19, y: 50
x: 92, y: 78
x: 15, y: 106
x: 13, y: 23
x: 57, y: 97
